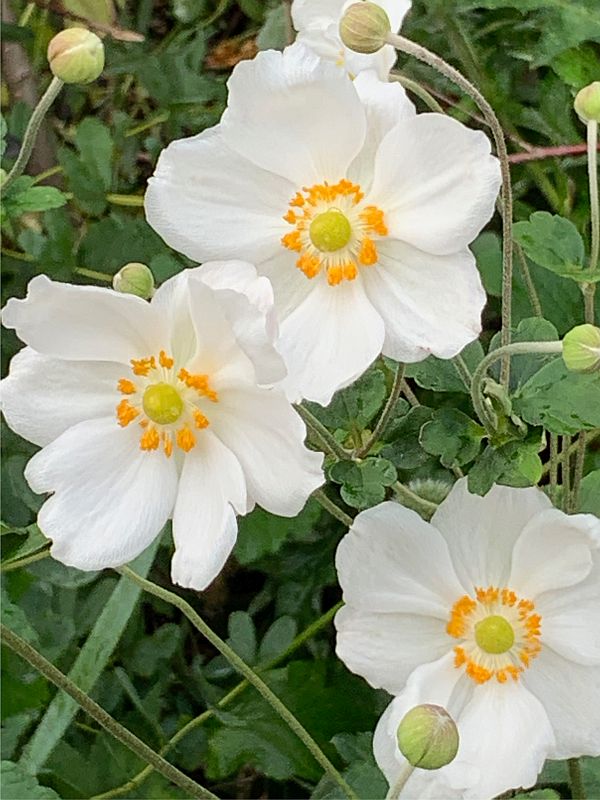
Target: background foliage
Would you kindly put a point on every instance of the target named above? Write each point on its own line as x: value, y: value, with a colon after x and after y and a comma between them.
x: 78, y: 218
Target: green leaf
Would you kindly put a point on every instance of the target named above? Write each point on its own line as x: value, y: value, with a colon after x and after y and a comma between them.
x: 554, y: 243
x: 453, y: 436
x: 538, y: 794
x: 578, y: 66
x: 589, y: 498
x: 274, y: 33
x: 154, y: 652
x: 405, y: 450
x: 242, y: 635
x: 29, y: 541
x: 562, y: 401
x: 522, y: 367
x: 362, y: 773
x: 356, y: 406
x: 440, y: 375
x: 24, y: 198
x: 513, y: 464
x: 363, y: 483
x: 277, y: 639
x: 89, y: 664
x: 89, y: 171
x: 263, y: 534
x: 18, y: 784
x: 15, y: 618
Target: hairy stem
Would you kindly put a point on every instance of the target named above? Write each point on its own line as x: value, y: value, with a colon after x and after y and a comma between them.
x: 322, y: 436
x: 433, y: 60
x: 31, y: 132
x: 240, y: 665
x: 96, y: 712
x: 386, y: 414
x: 413, y: 500
x: 320, y: 496
x: 396, y: 790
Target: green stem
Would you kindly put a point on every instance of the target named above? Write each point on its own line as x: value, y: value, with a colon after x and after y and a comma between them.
x: 320, y: 496
x: 565, y: 473
x: 576, y: 779
x: 433, y: 60
x: 590, y: 437
x: 91, y: 273
x: 419, y: 90
x: 592, y: 143
x: 240, y: 665
x: 31, y: 132
x: 485, y: 415
x: 579, y: 465
x: 299, y: 640
x: 534, y: 298
x: 554, y: 460
x: 386, y: 414
x: 410, y: 395
x: 25, y: 561
x: 133, y: 200
x: 396, y: 789
x: 460, y: 365
x: 96, y: 712
x: 325, y: 439
x: 589, y: 293
x: 413, y: 500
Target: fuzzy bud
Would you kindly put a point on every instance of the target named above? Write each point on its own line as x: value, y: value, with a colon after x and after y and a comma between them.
x: 587, y: 103
x: 428, y: 737
x: 364, y: 26
x: 581, y: 348
x: 134, y: 278
x: 76, y: 55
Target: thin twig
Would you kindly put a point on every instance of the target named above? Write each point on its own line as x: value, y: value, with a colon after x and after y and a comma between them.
x: 320, y: 496
x: 325, y: 439
x: 386, y: 414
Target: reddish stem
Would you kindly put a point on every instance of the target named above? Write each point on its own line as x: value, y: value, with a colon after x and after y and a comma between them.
x: 538, y: 153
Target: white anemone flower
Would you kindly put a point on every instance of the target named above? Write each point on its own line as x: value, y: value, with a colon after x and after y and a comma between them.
x: 359, y: 212
x: 318, y: 26
x: 492, y: 611
x: 150, y: 411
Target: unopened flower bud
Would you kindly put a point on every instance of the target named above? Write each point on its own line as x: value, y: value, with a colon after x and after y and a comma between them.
x: 76, y: 55
x: 587, y: 103
x: 581, y: 348
x: 364, y: 26
x: 428, y: 737
x: 134, y: 278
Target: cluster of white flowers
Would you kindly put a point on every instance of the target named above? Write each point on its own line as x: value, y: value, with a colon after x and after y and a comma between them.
x: 342, y: 220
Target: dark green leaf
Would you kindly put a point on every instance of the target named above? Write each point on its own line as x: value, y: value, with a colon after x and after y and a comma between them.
x: 364, y: 483
x: 555, y: 243
x: 405, y: 449
x: 453, y: 436
x: 18, y: 784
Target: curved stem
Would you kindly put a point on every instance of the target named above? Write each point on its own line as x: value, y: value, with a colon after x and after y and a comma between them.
x: 396, y: 789
x: 419, y: 90
x: 386, y: 414
x: 328, y: 442
x: 26, y: 560
x: 96, y: 712
x: 460, y: 365
x: 320, y: 496
x: 240, y: 665
x: 433, y: 60
x: 534, y: 298
x: 413, y: 500
x: 299, y: 640
x: 31, y: 132
x: 502, y: 352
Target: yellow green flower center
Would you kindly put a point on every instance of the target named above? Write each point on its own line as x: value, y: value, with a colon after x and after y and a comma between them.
x: 330, y: 231
x: 494, y: 634
x: 162, y: 403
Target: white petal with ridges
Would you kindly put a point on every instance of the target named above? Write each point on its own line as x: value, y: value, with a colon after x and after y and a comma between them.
x: 393, y: 561
x: 110, y: 499
x: 84, y: 323
x: 42, y: 397
x: 211, y: 489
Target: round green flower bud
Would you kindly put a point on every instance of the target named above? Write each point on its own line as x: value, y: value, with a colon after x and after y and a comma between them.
x: 76, y: 55
x: 364, y: 26
x: 587, y: 103
x: 428, y: 737
x: 581, y: 348
x: 134, y: 278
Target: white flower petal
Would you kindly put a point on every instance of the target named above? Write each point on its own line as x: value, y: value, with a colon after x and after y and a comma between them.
x: 294, y: 115
x: 570, y: 694
x: 438, y: 683
x: 393, y: 561
x: 267, y: 436
x: 386, y: 104
x: 571, y: 618
x: 290, y: 286
x: 385, y: 648
x: 309, y: 12
x: 330, y: 339
x: 429, y: 304
x: 84, y: 323
x: 110, y: 499
x: 211, y: 488
x: 42, y: 397
x: 553, y: 551
x: 209, y: 202
x: 436, y: 182
x: 505, y: 731
x: 480, y: 531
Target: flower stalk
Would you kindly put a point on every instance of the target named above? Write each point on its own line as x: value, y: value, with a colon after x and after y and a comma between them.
x: 433, y: 60
x: 97, y: 713
x: 396, y: 790
x: 31, y: 132
x: 386, y: 414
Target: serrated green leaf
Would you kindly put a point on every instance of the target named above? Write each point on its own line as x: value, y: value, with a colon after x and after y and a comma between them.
x: 453, y: 436
x: 562, y: 401
x: 554, y: 243
x: 18, y: 784
x: 514, y: 464
x: 363, y: 483
x: 441, y: 375
x: 356, y: 406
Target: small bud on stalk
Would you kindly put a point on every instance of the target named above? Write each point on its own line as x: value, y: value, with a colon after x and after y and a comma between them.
x: 587, y: 103
x: 134, y: 278
x: 581, y: 348
x: 364, y: 26
x: 76, y: 55
x: 428, y: 737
